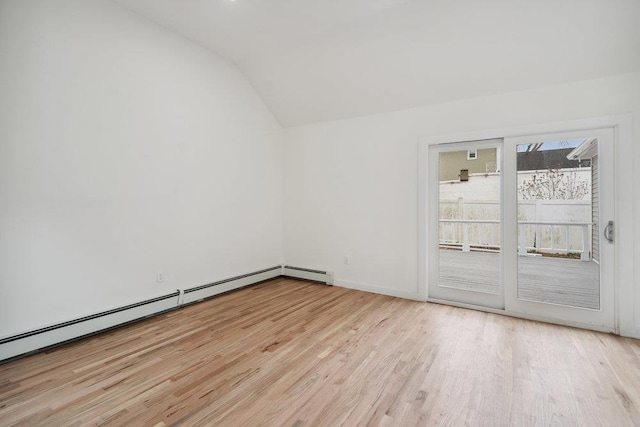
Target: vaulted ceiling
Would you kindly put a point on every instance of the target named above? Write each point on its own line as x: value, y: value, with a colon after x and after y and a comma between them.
x: 317, y: 60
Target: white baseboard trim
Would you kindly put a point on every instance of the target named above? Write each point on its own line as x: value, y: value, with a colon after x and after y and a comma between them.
x: 379, y: 290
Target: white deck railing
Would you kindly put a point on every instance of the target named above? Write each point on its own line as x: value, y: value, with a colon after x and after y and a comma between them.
x: 485, y: 236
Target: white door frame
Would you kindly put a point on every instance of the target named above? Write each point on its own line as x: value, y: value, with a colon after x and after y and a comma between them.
x: 624, y: 322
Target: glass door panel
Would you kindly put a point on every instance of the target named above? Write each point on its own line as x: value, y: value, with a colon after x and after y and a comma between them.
x: 467, y: 224
x: 557, y: 216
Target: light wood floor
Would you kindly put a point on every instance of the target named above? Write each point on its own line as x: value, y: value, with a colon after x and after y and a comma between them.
x: 293, y: 353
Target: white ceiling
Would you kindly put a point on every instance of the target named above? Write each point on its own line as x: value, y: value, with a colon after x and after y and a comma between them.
x: 317, y: 60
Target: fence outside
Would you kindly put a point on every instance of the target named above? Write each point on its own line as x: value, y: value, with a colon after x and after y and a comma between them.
x: 553, y: 226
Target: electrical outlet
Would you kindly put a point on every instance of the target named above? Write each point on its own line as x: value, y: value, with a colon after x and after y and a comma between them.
x: 160, y: 277
x: 345, y: 260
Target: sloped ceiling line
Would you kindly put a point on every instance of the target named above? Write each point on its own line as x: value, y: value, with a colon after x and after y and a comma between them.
x: 319, y: 60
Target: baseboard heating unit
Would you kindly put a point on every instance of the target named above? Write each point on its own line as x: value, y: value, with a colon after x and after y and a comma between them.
x: 39, y: 339
x: 206, y: 291
x: 308, y: 274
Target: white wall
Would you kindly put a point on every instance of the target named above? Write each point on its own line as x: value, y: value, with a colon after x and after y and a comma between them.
x: 351, y: 186
x: 125, y: 150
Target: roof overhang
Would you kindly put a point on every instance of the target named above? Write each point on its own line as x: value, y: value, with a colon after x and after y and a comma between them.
x: 586, y: 150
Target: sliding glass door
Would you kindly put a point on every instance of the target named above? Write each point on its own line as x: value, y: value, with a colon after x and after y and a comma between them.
x: 525, y: 224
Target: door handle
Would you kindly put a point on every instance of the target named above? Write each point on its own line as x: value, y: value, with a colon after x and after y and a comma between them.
x: 609, y: 232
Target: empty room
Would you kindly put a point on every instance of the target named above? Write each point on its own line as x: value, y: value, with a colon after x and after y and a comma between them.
x: 301, y: 213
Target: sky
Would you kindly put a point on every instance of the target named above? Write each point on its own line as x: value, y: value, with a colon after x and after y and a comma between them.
x: 554, y: 145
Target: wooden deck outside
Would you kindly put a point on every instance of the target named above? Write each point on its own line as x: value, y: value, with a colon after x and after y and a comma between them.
x: 554, y: 280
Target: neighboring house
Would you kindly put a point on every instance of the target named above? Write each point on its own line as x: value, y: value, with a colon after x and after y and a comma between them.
x: 549, y: 159
x: 588, y: 152
x: 473, y: 161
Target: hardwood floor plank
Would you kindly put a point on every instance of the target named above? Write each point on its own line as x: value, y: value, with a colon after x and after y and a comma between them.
x: 290, y: 352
